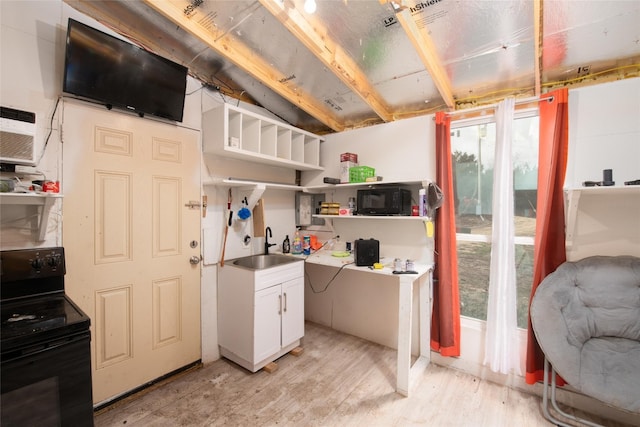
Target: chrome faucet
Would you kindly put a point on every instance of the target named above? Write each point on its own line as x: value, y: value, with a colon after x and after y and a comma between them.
x: 267, y: 234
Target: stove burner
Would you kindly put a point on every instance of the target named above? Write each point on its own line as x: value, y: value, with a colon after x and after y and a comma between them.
x: 20, y: 317
x: 30, y: 323
x: 41, y: 314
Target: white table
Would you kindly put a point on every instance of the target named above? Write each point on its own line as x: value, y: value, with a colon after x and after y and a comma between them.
x: 406, y: 372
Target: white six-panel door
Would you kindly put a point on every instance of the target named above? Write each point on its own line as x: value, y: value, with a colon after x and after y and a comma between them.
x: 128, y: 240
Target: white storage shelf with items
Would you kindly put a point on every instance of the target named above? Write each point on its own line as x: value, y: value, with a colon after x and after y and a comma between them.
x: 231, y: 131
x: 341, y: 193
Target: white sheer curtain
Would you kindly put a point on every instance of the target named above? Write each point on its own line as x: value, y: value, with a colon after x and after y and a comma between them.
x: 502, y: 350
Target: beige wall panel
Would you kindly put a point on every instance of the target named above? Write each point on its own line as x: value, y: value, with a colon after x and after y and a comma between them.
x: 167, y: 150
x: 167, y: 311
x: 167, y: 227
x: 113, y: 141
x: 113, y: 326
x: 113, y: 217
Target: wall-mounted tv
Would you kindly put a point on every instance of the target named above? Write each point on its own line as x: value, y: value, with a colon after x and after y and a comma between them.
x: 108, y: 70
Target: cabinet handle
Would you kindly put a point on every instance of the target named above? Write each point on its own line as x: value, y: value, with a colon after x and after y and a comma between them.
x: 285, y: 302
x: 280, y: 304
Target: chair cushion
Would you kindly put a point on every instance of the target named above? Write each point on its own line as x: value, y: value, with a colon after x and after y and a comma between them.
x: 609, y: 371
x: 586, y: 318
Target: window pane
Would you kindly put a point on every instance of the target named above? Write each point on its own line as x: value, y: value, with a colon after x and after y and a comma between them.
x: 525, y: 174
x: 473, y: 163
x: 473, y: 275
x: 474, y: 259
x: 524, y: 278
x: 473, y: 150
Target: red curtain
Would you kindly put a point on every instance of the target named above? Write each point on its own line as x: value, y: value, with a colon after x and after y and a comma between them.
x: 445, y: 324
x: 549, y: 249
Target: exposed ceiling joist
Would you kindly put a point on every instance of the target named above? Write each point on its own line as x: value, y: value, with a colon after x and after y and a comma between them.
x: 537, y: 40
x: 365, y: 63
x: 317, y: 39
x: 246, y: 59
x: 426, y: 50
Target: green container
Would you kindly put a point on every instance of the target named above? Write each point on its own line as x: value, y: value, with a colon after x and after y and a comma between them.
x: 361, y: 173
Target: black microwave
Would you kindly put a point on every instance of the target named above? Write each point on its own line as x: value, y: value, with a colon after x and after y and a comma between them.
x: 384, y: 201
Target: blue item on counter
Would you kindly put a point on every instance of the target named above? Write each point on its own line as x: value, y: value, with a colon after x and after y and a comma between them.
x: 306, y: 245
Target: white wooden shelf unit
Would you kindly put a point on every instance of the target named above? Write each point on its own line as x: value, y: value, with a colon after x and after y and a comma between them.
x: 43, y: 200
x: 231, y: 131
x: 572, y: 202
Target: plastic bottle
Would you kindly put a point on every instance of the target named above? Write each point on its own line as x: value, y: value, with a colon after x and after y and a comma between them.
x: 306, y: 245
x: 297, y: 244
x: 286, y: 245
x: 422, y: 209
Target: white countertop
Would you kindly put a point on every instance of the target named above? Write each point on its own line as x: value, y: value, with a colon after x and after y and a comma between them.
x: 324, y: 257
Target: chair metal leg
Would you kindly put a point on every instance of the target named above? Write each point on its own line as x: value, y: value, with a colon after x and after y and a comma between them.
x: 545, y: 403
x: 545, y: 397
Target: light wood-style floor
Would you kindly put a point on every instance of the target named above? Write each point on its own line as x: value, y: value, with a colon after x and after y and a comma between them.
x: 339, y: 380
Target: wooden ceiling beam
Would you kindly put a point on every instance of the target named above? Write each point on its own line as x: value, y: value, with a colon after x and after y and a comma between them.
x: 537, y: 45
x: 423, y: 44
x: 246, y: 59
x: 316, y: 38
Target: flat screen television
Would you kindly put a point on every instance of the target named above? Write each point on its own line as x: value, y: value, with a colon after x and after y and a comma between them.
x: 108, y: 70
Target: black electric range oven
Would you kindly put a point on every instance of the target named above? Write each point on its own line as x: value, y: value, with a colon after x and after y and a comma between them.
x: 45, y: 355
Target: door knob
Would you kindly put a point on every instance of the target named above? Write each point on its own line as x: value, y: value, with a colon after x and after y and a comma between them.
x: 194, y: 259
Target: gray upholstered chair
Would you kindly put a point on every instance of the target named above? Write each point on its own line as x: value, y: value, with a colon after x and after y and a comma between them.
x: 586, y: 318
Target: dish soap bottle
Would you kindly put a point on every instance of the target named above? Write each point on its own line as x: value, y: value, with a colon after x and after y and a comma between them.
x: 297, y: 243
x: 286, y: 246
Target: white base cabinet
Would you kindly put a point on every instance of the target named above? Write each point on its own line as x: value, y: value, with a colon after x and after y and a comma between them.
x: 260, y: 313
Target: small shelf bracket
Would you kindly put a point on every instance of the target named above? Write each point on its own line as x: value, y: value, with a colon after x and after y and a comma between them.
x: 572, y: 201
x: 253, y: 193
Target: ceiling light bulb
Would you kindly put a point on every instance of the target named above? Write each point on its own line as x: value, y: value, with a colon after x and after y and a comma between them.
x: 310, y: 6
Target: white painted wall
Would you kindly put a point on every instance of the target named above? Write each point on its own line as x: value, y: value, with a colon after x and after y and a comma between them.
x: 399, y: 151
x: 604, y: 132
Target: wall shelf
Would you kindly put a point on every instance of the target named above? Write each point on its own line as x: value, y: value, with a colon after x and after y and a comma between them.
x: 253, y: 190
x: 375, y: 217
x: 424, y: 183
x: 43, y: 200
x: 230, y: 182
x: 573, y: 197
x: 231, y: 131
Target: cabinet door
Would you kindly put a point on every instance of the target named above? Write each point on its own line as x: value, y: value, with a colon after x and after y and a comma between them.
x: 268, y: 308
x: 292, y: 311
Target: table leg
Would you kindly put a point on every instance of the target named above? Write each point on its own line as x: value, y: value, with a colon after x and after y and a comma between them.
x: 405, y: 304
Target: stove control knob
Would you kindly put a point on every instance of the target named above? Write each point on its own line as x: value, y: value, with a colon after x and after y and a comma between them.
x: 37, y: 263
x: 53, y: 261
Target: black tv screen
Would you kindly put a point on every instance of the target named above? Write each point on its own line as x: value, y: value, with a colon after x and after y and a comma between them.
x: 118, y: 74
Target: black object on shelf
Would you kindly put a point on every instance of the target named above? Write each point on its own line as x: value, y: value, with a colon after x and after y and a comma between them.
x: 607, y: 177
x: 329, y: 180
